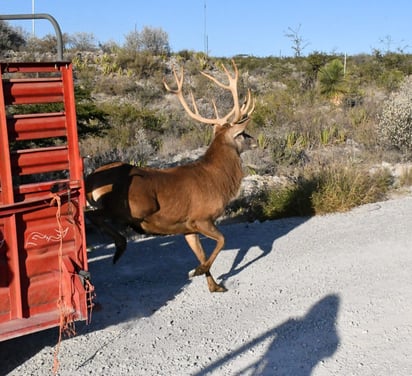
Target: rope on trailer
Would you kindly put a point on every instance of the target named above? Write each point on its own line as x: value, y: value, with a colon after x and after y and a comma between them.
x: 66, y: 317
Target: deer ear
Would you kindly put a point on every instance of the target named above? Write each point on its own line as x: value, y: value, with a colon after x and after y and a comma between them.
x: 216, y: 129
x: 239, y: 128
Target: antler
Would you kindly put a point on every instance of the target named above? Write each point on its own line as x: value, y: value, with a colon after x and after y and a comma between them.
x: 237, y: 114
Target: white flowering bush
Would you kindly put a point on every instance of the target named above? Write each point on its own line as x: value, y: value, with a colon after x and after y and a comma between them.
x: 395, y: 122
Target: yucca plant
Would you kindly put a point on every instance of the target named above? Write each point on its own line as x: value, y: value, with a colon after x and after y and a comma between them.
x: 332, y: 80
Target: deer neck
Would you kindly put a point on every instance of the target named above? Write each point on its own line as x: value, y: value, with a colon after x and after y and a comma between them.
x: 224, y: 165
x: 223, y: 153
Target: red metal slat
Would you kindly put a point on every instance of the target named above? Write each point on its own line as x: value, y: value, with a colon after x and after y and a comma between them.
x: 19, y: 327
x: 36, y: 161
x: 4, y: 272
x: 5, y: 277
x: 11, y: 248
x: 32, y: 67
x: 40, y: 190
x: 36, y: 126
x: 6, y: 191
x: 33, y: 91
x: 76, y: 162
x: 5, y: 304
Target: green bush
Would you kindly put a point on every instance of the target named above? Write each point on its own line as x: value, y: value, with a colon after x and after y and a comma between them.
x: 288, y: 201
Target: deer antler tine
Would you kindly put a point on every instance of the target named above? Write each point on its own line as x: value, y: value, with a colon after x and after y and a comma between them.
x: 235, y: 68
x: 192, y: 97
x: 248, y: 107
x: 215, y: 108
x: 247, y: 102
x: 218, y: 83
x: 168, y: 87
x: 179, y: 82
x: 227, y: 72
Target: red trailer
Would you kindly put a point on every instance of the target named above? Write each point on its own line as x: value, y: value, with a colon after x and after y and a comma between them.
x: 44, y: 279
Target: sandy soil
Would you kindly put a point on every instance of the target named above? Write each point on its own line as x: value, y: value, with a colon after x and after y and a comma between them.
x: 328, y: 295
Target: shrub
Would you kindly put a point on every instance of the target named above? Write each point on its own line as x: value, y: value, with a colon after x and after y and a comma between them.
x: 395, y: 122
x: 330, y: 189
x: 288, y: 201
x: 341, y: 188
x: 103, y: 150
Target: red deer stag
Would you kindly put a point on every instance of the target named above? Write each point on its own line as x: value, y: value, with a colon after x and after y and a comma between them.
x: 185, y: 199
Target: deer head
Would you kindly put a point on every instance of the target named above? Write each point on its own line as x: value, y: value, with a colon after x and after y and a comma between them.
x: 237, y: 118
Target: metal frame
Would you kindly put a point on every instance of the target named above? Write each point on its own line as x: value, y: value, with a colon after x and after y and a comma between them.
x: 38, y: 16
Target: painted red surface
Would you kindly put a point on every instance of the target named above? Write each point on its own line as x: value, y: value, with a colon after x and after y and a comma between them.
x: 43, y: 256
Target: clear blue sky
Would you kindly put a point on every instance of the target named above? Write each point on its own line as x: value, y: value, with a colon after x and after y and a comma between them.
x: 255, y: 27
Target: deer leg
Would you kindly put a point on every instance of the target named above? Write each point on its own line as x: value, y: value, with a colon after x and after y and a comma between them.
x: 96, y: 218
x: 204, y: 267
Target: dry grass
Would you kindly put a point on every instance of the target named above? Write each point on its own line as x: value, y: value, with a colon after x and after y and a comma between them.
x: 341, y: 188
x: 405, y: 180
x: 328, y: 189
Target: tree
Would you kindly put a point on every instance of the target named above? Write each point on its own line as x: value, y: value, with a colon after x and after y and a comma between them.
x: 91, y: 120
x: 132, y: 41
x: 10, y: 38
x: 298, y: 43
x: 315, y: 61
x: 44, y: 45
x: 154, y: 40
x: 83, y: 41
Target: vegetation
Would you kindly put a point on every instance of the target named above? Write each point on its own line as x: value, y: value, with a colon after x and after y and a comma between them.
x: 395, y: 123
x: 10, y: 38
x: 322, y: 121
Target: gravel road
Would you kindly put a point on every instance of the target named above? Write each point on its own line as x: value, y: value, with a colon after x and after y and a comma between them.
x: 328, y: 295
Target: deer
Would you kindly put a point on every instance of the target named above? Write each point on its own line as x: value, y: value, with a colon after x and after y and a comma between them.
x: 185, y: 199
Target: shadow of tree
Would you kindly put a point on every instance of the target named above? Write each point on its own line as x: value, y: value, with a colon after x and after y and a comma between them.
x: 296, y: 346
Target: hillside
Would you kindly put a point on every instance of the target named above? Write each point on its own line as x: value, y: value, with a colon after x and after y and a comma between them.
x: 317, y: 123
x: 323, y: 123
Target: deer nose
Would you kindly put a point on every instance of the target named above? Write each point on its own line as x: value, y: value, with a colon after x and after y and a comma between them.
x: 251, y: 141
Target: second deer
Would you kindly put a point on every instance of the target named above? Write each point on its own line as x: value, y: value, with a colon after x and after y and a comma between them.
x: 186, y: 199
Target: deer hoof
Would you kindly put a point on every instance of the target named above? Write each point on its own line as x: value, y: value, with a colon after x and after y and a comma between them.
x: 120, y: 248
x: 198, y: 271
x: 218, y: 288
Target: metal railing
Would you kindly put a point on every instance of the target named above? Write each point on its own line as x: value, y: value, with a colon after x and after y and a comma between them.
x: 37, y: 16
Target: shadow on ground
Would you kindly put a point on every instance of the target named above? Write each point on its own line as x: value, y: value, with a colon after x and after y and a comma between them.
x: 151, y: 272
x: 295, y: 347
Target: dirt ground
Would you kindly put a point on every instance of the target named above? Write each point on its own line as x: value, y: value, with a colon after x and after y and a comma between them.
x: 329, y: 295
